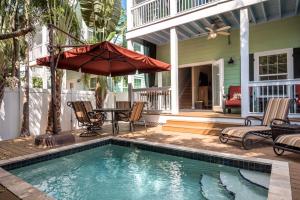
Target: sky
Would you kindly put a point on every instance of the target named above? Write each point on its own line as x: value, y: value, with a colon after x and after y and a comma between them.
x: 124, y: 4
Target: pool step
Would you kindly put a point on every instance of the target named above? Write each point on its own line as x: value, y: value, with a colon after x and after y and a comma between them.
x: 206, y: 128
x: 259, y: 178
x: 212, y: 189
x: 242, y: 190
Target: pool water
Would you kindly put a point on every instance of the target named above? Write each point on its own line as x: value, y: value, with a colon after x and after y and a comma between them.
x: 115, y: 172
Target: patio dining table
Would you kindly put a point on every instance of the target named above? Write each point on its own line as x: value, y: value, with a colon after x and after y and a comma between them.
x: 113, y: 111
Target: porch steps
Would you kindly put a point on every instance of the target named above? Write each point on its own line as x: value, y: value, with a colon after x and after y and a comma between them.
x: 205, y: 128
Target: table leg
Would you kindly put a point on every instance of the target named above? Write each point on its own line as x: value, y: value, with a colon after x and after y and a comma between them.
x: 112, y: 122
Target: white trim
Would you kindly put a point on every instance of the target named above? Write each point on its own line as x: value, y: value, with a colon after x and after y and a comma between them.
x: 220, y: 64
x: 210, y: 62
x: 192, y: 15
x: 290, y: 67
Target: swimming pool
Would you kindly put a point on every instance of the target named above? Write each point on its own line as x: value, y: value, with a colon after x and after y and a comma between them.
x: 128, y: 172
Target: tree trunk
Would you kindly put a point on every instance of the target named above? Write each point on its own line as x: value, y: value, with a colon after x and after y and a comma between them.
x: 100, y: 95
x: 58, y: 84
x: 3, y: 75
x: 25, y: 123
x: 25, y: 131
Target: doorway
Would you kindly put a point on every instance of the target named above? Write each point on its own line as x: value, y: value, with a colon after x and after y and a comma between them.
x: 208, y: 86
x: 202, y: 87
x: 185, y: 88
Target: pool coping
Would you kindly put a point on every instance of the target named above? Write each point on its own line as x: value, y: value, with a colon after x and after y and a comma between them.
x: 279, y: 188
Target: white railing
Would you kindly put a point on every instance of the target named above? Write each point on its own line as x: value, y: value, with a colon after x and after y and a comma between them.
x: 38, y: 51
x: 183, y: 5
x: 157, y: 98
x: 262, y: 91
x: 150, y: 11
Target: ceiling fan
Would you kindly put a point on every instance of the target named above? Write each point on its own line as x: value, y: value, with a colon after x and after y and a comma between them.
x: 214, y: 32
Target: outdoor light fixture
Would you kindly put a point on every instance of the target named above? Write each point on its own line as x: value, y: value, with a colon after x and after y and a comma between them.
x: 231, y: 61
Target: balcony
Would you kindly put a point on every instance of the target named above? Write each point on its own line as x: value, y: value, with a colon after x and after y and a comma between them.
x: 154, y: 10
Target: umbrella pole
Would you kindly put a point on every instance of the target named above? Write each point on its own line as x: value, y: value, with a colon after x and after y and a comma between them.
x: 53, y: 84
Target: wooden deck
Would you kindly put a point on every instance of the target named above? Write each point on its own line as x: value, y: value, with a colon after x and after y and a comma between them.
x: 24, y: 146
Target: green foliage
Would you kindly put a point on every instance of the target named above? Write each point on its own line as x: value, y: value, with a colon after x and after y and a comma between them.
x: 37, y: 82
x: 102, y: 16
x: 63, y: 15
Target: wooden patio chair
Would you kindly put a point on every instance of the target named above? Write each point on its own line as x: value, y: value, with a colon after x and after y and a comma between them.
x: 122, y: 116
x: 85, y: 120
x: 92, y: 114
x: 276, y: 113
x: 135, y: 115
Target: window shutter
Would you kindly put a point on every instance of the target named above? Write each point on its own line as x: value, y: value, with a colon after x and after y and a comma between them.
x: 296, y: 56
x: 251, y: 67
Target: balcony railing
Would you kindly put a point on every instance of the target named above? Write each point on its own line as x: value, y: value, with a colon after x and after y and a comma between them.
x: 158, y: 99
x: 184, y: 5
x: 150, y: 11
x: 153, y: 10
x: 262, y: 91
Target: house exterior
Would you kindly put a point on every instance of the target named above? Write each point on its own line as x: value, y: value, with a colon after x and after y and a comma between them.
x: 261, y: 54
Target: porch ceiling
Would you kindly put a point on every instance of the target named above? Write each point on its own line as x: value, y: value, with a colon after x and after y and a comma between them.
x: 258, y: 13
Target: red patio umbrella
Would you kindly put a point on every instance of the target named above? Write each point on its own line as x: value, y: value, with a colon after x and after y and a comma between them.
x: 106, y: 59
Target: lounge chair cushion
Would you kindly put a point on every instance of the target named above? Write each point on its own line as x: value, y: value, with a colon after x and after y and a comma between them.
x: 290, y: 140
x: 277, y: 109
x: 241, y: 131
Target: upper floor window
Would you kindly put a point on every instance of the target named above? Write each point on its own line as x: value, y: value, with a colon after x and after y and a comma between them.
x: 273, y: 65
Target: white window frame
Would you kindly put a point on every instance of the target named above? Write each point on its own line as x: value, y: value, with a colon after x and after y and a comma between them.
x: 290, y: 67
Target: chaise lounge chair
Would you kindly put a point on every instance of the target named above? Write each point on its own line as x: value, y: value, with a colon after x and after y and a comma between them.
x: 289, y: 142
x: 86, y: 119
x: 276, y: 113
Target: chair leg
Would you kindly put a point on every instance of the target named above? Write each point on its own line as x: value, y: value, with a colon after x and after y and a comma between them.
x: 246, y: 143
x: 223, y: 138
x: 278, y: 151
x: 131, y: 126
x: 145, y: 125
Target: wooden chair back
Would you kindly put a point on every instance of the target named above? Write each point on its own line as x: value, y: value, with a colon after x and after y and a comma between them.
x: 136, y: 112
x: 80, y: 111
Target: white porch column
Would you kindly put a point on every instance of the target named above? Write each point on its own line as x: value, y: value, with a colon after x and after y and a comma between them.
x: 244, y: 51
x: 130, y: 47
x: 130, y: 77
x: 159, y: 79
x: 174, y: 61
x: 129, y: 5
x: 174, y: 70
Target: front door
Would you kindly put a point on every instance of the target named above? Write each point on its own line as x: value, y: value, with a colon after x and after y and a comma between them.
x: 218, y: 85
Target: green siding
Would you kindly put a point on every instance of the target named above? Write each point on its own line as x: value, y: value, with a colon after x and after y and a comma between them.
x: 268, y: 36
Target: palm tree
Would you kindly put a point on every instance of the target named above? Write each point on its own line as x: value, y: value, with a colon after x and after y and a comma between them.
x: 62, y: 14
x: 25, y: 131
x: 103, y: 17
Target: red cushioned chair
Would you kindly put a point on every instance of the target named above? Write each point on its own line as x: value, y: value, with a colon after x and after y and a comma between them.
x: 233, y: 100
